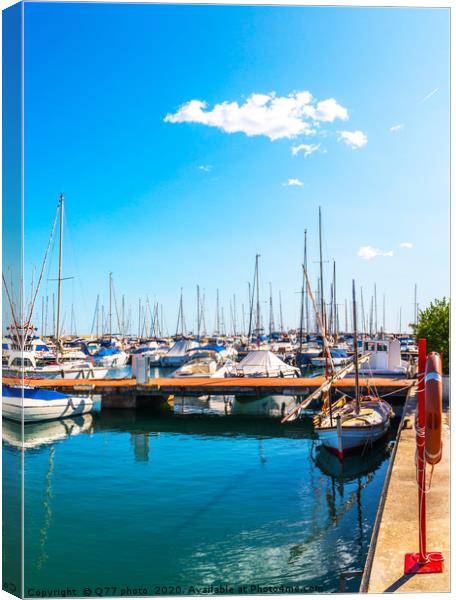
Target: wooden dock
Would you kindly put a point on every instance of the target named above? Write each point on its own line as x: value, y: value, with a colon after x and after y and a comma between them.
x: 128, y: 393
x: 204, y: 385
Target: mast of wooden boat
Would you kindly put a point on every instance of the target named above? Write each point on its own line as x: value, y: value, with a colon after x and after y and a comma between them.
x: 301, y: 318
x: 306, y: 293
x: 303, y: 289
x: 59, y: 279
x: 355, y: 345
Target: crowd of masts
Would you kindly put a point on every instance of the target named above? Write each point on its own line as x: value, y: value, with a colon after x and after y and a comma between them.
x: 116, y: 318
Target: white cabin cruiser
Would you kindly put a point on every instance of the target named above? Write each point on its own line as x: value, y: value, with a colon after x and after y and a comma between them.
x: 385, y: 360
x: 23, y: 364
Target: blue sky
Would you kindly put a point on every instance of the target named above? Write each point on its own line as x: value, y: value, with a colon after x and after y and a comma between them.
x: 100, y: 81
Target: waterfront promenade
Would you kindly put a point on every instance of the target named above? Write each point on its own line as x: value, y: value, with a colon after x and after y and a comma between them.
x: 398, y: 531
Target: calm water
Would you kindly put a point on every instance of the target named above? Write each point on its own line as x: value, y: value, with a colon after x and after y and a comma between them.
x: 122, y: 499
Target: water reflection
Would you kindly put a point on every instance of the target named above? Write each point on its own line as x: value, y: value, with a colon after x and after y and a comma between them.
x: 44, y: 433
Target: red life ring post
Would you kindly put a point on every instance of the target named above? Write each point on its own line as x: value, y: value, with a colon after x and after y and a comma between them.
x: 428, y: 450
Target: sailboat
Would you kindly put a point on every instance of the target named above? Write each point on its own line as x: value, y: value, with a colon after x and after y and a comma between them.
x: 350, y: 426
x: 22, y: 358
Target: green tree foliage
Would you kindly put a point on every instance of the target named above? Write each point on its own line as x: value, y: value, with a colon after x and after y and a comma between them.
x: 434, y: 325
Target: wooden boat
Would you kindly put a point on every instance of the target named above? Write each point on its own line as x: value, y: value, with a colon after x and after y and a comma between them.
x: 352, y: 426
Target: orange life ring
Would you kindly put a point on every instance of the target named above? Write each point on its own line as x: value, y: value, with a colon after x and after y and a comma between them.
x: 433, y: 409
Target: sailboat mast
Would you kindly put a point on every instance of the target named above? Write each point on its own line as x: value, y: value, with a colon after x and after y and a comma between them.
x: 110, y: 305
x: 280, y: 312
x: 234, y: 316
x: 271, y: 311
x: 306, y: 293
x: 59, y: 280
x: 258, y: 315
x: 355, y: 344
x: 335, y: 326
x: 217, y: 314
x: 198, y: 312
x: 322, y: 302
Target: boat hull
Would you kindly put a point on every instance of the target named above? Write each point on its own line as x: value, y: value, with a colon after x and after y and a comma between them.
x: 353, y: 439
x: 47, y: 373
x: 31, y: 410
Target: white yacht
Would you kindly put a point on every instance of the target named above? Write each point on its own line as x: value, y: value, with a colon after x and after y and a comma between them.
x: 30, y: 404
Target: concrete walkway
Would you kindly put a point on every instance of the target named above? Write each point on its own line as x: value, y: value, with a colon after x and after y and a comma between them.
x: 398, y: 532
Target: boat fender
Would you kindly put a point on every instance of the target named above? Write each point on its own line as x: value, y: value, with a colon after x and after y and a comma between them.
x: 433, y: 409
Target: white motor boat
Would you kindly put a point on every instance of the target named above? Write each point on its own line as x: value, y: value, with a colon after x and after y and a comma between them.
x: 339, y: 358
x: 178, y: 354
x: 30, y: 404
x: 23, y: 364
x: 203, y: 366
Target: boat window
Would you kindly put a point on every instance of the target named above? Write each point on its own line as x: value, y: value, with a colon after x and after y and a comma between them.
x: 382, y: 348
x: 371, y: 346
x: 17, y: 362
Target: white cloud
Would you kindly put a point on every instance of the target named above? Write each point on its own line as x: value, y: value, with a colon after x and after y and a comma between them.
x: 297, y: 182
x: 368, y: 252
x: 353, y: 139
x: 406, y: 245
x: 308, y: 149
x: 428, y: 96
x: 270, y: 115
x: 206, y: 168
x: 397, y: 127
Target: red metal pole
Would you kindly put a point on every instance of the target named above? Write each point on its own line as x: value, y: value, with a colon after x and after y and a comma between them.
x: 422, y: 561
x: 421, y: 466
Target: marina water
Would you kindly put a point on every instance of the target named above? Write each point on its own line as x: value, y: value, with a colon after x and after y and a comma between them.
x: 177, y: 504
